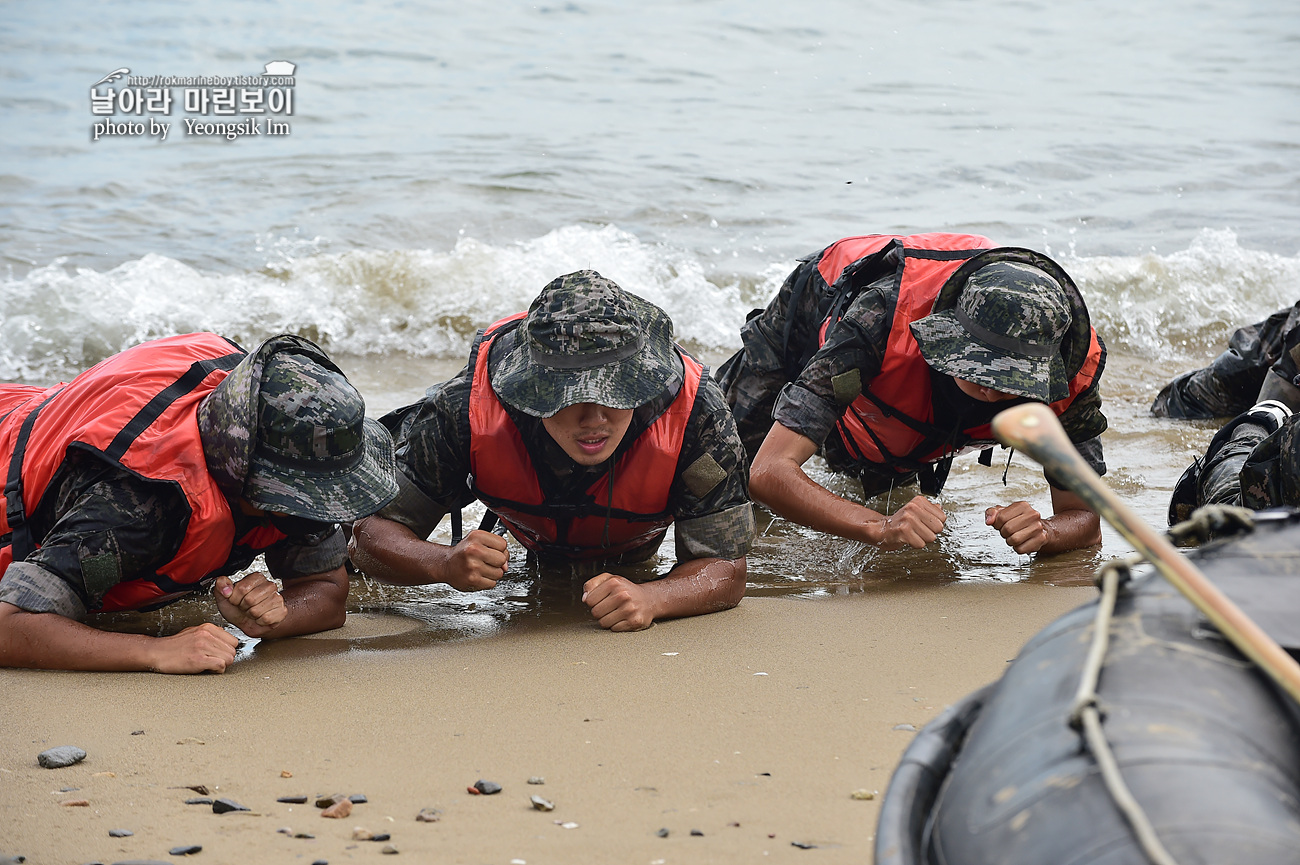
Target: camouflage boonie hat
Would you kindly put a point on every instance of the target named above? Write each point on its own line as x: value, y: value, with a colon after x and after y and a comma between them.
x: 1005, y: 331
x: 287, y: 432
x: 587, y: 340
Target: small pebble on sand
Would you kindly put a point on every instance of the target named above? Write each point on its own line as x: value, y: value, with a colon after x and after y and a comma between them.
x: 199, y: 800
x: 338, y: 810
x: 75, y: 803
x: 57, y: 758
x: 541, y: 804
x: 185, y: 850
x: 358, y: 799
x: 907, y: 727
x: 487, y: 788
x: 697, y: 833
x: 537, y: 779
x: 120, y: 833
x: 225, y: 806
x: 293, y: 800
x: 428, y: 815
x: 389, y: 849
x: 863, y: 795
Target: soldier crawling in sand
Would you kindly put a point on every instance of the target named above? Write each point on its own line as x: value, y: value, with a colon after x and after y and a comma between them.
x: 162, y: 471
x: 586, y: 432
x: 890, y: 355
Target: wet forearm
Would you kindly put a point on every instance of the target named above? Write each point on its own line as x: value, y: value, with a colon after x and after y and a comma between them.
x: 698, y: 586
x: 1071, y: 530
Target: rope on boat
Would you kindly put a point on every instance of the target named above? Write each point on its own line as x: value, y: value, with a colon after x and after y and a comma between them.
x: 1086, y: 714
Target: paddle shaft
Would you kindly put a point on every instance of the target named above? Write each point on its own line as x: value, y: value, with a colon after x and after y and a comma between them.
x: 1034, y: 429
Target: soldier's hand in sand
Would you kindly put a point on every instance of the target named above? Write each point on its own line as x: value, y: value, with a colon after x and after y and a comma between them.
x: 201, y: 649
x: 477, y: 562
x: 1020, y: 524
x: 618, y: 604
x: 915, y: 524
x: 254, y: 604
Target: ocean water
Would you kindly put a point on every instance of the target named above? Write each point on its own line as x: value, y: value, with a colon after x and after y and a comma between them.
x: 443, y: 161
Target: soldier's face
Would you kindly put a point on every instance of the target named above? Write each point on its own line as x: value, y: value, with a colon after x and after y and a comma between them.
x: 982, y: 393
x: 588, y: 433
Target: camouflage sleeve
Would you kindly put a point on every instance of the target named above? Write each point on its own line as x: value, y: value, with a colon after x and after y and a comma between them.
x: 840, y: 369
x: 710, y: 495
x: 433, y: 457
x: 288, y: 560
x: 1084, y: 423
x: 109, y: 526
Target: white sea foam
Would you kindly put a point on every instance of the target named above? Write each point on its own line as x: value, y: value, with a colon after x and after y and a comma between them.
x: 429, y: 303
x: 1180, y: 305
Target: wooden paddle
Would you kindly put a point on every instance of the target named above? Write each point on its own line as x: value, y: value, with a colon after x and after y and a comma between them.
x: 1034, y: 429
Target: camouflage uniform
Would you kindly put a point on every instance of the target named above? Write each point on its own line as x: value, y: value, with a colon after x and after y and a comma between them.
x: 806, y: 388
x: 1262, y: 361
x: 1253, y: 462
x: 99, y: 524
x: 585, y: 328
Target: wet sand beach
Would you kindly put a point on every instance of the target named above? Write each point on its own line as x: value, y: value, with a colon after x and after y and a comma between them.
x: 768, y: 716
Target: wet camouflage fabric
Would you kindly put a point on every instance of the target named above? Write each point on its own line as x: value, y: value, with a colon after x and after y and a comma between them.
x: 587, y: 340
x: 1004, y: 333
x: 286, y: 431
x: 1262, y: 361
x: 433, y: 441
x: 100, y: 525
x: 1250, y: 467
x: 763, y: 384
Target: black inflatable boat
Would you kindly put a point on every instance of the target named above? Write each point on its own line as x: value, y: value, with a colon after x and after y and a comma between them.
x: 1207, y: 745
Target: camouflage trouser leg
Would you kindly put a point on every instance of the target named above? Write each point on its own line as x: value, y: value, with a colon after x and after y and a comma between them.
x: 1252, y: 468
x: 1232, y: 382
x: 754, y: 377
x: 751, y: 394
x: 1221, y: 475
x: 1270, y: 477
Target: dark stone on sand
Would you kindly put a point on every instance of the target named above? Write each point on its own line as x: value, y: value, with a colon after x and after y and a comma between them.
x: 321, y: 862
x: 330, y: 801
x: 663, y: 833
x: 185, y: 850
x: 120, y: 833
x: 293, y: 800
x: 306, y: 835
x: 199, y: 800
x: 697, y: 833
x: 142, y: 862
x: 64, y: 755
x: 803, y: 845
x: 358, y: 799
x: 487, y: 788
x: 223, y: 806
x: 137, y: 732
x: 382, y: 836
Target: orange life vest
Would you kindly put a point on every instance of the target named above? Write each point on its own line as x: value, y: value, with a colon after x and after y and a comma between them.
x: 890, y: 425
x: 608, y: 521
x: 137, y: 409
